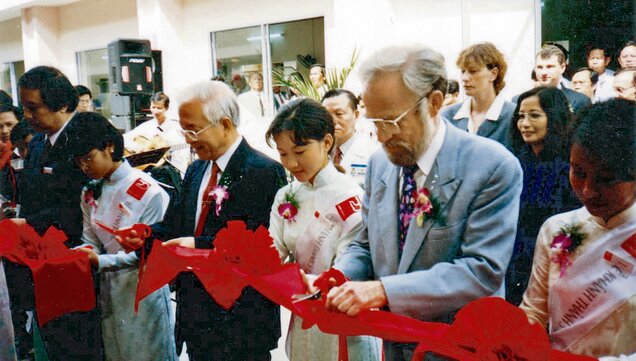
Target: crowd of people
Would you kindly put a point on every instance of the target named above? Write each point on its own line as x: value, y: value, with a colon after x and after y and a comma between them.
x: 443, y: 203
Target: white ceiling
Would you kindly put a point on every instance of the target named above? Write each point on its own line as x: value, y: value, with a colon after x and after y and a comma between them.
x: 10, y: 9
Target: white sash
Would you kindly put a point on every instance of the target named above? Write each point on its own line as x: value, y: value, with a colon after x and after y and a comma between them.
x: 120, y: 211
x: 591, y: 289
x: 316, y: 246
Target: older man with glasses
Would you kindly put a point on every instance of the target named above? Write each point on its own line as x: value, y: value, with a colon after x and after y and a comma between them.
x: 440, y: 210
x: 209, y: 116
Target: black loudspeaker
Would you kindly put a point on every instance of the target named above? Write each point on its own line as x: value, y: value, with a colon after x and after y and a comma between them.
x: 130, y: 64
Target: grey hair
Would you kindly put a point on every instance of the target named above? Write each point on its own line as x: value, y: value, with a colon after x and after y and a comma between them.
x: 217, y: 99
x: 422, y: 68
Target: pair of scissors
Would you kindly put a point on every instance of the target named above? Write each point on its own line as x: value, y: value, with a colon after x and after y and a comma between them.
x: 143, y: 230
x: 328, y: 279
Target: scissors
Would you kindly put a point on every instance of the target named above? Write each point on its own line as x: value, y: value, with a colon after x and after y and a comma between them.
x: 143, y: 230
x: 323, y: 283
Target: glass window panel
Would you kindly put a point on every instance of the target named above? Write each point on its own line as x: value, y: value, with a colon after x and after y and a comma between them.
x: 294, y: 45
x: 93, y: 73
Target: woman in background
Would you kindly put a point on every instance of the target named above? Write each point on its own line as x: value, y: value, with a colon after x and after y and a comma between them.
x: 485, y: 112
x: 540, y: 141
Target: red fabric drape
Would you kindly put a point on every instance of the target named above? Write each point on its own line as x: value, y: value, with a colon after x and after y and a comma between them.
x: 62, y: 278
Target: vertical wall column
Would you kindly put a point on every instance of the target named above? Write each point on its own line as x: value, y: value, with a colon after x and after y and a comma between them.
x: 160, y: 22
x: 40, y: 36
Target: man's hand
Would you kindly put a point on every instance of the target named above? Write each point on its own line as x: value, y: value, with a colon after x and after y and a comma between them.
x: 92, y: 256
x: 187, y: 242
x: 353, y: 297
x: 18, y: 221
x: 131, y: 242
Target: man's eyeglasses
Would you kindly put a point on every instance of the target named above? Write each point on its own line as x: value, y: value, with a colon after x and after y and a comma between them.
x: 391, y: 126
x: 531, y: 117
x: 193, y: 136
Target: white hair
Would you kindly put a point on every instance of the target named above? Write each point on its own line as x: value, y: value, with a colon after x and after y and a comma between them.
x: 422, y: 69
x: 217, y: 100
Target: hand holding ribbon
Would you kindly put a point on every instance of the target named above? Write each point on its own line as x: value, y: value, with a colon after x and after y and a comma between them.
x: 131, y: 238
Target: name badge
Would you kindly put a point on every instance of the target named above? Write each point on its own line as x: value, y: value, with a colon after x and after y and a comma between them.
x: 617, y: 261
x: 47, y: 170
x: 17, y: 164
x: 358, y: 169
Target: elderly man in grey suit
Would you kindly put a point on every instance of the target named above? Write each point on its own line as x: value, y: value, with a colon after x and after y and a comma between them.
x: 411, y: 260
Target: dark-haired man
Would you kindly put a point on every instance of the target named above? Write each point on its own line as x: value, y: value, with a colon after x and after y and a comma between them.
x: 598, y: 60
x: 585, y: 81
x: 85, y: 103
x: 50, y: 187
x: 352, y: 149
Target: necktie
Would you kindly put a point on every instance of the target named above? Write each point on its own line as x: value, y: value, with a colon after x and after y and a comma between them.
x: 338, y: 157
x: 260, y: 103
x: 407, y: 202
x: 207, y: 200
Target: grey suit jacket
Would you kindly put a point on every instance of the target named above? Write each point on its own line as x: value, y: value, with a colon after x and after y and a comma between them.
x: 451, y: 261
x: 496, y: 130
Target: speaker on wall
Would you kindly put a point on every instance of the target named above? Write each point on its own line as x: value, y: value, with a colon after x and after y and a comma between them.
x: 130, y: 67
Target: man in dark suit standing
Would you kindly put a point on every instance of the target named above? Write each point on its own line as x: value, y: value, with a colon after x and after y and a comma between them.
x: 549, y: 67
x: 51, y: 186
x: 209, y: 115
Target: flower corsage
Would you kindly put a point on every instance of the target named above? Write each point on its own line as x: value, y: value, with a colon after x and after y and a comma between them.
x: 563, y: 245
x: 425, y: 206
x: 219, y: 193
x: 93, y: 192
x: 288, y: 209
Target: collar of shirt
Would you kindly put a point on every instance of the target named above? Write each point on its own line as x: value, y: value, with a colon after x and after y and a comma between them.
x: 120, y: 173
x: 426, y: 160
x: 617, y: 220
x: 323, y: 177
x: 344, y: 147
x: 54, y: 136
x: 493, y: 112
x: 223, y: 160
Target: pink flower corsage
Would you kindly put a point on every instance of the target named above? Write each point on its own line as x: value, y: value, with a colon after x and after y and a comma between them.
x: 563, y: 245
x: 289, y: 208
x: 89, y: 198
x: 425, y: 206
x: 218, y: 195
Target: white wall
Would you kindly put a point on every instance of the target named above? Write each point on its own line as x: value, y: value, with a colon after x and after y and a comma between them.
x: 181, y: 29
x: 11, y: 40
x: 92, y: 24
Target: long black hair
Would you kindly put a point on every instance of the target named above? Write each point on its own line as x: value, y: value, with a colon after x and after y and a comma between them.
x: 557, y: 109
x: 306, y: 119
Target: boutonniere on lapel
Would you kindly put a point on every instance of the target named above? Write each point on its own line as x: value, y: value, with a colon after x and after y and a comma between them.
x: 563, y: 245
x: 425, y: 206
x: 219, y: 193
x: 289, y: 207
x: 93, y: 192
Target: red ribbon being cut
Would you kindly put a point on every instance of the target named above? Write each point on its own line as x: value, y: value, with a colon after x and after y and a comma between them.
x: 62, y: 278
x: 486, y: 329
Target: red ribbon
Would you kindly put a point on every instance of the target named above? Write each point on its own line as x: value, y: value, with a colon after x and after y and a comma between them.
x: 62, y: 278
x: 242, y: 257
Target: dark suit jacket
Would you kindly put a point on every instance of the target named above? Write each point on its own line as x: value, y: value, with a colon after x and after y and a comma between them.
x: 51, y: 186
x: 50, y: 190
x: 496, y: 130
x: 577, y: 100
x: 253, y: 322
